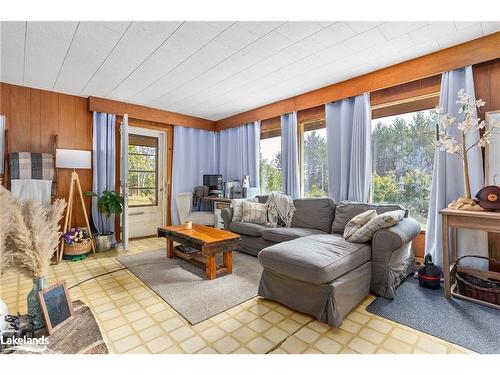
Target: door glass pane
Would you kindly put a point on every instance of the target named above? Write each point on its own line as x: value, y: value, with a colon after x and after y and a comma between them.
x: 270, y: 165
x: 315, y: 166
x: 143, y: 170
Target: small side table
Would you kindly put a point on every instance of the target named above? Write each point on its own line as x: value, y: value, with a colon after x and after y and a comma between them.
x: 477, y: 220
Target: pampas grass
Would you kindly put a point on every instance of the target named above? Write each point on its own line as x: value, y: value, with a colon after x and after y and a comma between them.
x: 29, y: 234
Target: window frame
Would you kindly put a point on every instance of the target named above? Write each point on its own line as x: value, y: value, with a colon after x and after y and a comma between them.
x: 400, y: 107
x: 155, y: 171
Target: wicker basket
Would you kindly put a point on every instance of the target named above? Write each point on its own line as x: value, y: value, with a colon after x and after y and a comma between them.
x: 475, y: 287
x: 78, y: 248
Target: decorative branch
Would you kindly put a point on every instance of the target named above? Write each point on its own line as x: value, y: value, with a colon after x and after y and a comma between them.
x: 448, y: 143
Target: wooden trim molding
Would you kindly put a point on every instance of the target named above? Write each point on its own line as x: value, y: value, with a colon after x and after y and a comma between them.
x: 473, y: 52
x: 148, y: 114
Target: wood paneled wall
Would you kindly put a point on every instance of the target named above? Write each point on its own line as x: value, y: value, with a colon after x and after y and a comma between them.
x: 33, y: 120
x: 487, y: 87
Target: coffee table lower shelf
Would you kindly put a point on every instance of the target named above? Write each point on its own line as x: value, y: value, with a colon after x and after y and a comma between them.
x: 208, y: 263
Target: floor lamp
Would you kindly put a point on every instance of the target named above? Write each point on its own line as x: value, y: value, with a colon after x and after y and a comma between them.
x: 73, y: 159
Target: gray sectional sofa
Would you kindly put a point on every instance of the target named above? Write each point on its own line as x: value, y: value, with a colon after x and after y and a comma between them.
x: 312, y: 269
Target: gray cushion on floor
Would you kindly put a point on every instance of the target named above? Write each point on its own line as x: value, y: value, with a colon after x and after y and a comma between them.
x: 345, y: 211
x: 316, y: 259
x: 316, y: 213
x: 287, y: 234
x: 249, y: 229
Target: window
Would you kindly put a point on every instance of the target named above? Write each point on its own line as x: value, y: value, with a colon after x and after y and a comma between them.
x: 403, y: 157
x: 270, y: 162
x: 314, y: 159
x: 143, y: 170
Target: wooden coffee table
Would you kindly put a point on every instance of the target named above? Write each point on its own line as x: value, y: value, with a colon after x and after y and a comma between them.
x: 207, y: 241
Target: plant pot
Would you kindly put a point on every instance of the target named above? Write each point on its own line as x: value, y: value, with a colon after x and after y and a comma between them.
x: 103, y: 242
x: 34, y: 309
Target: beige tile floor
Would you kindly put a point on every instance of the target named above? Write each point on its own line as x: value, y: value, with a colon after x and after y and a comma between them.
x: 133, y: 319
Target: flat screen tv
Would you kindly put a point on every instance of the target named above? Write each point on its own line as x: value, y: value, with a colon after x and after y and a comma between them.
x: 213, y: 181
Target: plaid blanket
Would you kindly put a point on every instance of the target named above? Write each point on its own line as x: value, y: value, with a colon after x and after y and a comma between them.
x: 31, y: 165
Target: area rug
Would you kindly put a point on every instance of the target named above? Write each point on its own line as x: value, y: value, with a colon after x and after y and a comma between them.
x: 185, y: 287
x: 464, y: 323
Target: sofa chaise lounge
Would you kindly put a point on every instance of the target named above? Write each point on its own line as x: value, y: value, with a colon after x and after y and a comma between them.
x: 312, y: 269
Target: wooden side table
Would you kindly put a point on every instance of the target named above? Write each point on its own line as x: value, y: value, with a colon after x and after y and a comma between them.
x: 454, y: 219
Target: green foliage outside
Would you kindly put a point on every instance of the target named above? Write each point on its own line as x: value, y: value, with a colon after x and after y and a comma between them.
x: 142, y: 175
x: 315, y: 164
x: 270, y: 174
x: 403, y: 156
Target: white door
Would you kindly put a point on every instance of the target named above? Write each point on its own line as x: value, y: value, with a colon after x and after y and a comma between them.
x: 146, y: 181
x: 124, y: 178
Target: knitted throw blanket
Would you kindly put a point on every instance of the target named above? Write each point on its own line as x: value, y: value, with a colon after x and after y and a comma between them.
x: 280, y: 206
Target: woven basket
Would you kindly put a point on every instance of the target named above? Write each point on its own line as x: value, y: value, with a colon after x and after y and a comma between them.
x: 475, y: 287
x: 78, y: 248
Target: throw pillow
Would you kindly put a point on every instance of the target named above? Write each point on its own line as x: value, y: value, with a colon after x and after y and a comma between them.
x: 237, y: 209
x: 357, y: 222
x: 254, y: 212
x: 385, y: 220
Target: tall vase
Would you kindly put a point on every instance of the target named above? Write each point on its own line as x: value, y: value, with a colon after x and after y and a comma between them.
x: 34, y: 309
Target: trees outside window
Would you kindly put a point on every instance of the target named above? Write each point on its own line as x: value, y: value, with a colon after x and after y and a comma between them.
x: 403, y: 157
x: 315, y: 163
x: 142, y: 175
x: 270, y: 165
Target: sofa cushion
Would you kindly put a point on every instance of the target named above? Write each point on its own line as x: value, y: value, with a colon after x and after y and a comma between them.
x: 254, y: 212
x: 315, y: 213
x: 345, y: 211
x: 249, y: 229
x: 287, y: 234
x: 315, y: 259
x: 385, y: 220
x: 357, y: 222
x: 236, y: 204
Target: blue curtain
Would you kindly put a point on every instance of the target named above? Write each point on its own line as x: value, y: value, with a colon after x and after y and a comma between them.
x: 348, y: 129
x: 447, y: 176
x: 290, y: 155
x: 103, y: 165
x: 238, y: 152
x: 194, y: 155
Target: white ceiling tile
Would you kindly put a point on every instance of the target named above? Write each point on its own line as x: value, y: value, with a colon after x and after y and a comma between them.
x: 188, y: 39
x: 12, y: 51
x: 140, y: 40
x: 335, y: 33
x: 200, y: 62
x: 92, y: 44
x: 236, y: 37
x: 361, y: 26
x: 296, y: 31
x: 490, y: 27
x: 394, y: 29
x: 472, y: 31
x: 221, y: 25
x: 366, y: 40
x: 260, y: 28
x: 420, y: 49
x: 432, y: 31
x: 462, y: 25
x: 306, y: 47
x: 46, y: 46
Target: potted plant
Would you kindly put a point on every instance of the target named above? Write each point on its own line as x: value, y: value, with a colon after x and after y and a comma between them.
x: 109, y: 203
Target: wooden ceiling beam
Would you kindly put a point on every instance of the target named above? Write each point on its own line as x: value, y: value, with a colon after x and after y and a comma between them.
x: 148, y: 114
x: 473, y: 52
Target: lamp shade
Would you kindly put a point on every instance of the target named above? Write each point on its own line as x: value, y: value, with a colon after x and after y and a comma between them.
x: 74, y: 159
